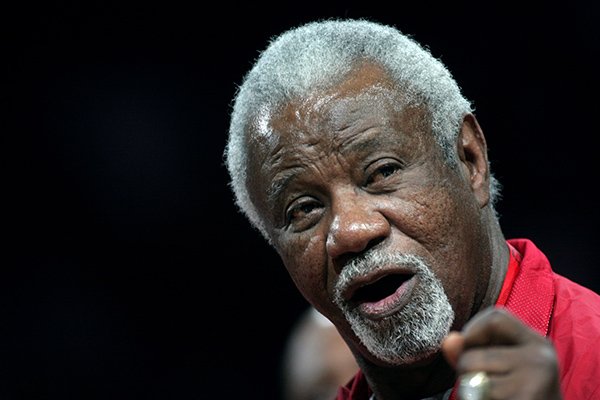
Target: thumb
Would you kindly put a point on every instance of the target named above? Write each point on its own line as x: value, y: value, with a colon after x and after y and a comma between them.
x: 452, y: 346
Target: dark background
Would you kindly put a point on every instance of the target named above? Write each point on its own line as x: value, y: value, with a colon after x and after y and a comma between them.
x: 128, y: 273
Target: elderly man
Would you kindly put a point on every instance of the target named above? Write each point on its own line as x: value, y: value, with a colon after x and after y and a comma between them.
x: 354, y: 153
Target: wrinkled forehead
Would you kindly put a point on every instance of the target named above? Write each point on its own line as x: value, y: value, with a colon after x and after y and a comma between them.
x: 366, y: 93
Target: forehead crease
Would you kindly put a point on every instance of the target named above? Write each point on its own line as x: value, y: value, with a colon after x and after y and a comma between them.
x: 363, y: 144
x: 318, y: 163
x: 286, y: 163
x: 280, y: 182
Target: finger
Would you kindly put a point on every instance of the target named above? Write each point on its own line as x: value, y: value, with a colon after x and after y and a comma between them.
x: 496, y: 326
x: 522, y: 385
x: 494, y: 360
x: 452, y: 347
x: 504, y: 386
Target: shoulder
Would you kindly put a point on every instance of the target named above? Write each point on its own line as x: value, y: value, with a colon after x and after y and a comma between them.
x: 575, y: 304
x: 575, y: 333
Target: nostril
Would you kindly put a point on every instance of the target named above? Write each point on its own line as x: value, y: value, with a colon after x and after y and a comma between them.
x: 374, y: 242
x: 341, y: 261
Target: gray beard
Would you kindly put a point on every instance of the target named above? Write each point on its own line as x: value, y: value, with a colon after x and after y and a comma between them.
x: 414, y: 332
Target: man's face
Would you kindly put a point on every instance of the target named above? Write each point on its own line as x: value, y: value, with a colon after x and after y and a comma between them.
x: 376, y: 231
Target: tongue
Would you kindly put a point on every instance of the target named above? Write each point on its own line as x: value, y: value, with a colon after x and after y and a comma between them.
x: 385, y: 303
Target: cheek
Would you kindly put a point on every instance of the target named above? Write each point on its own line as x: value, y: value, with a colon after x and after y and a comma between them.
x: 449, y: 223
x: 430, y: 217
x: 444, y: 222
x: 306, y: 264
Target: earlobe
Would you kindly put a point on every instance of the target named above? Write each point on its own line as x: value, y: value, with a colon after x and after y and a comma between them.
x: 472, y: 153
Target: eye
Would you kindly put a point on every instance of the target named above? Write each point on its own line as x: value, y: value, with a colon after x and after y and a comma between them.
x: 382, y: 170
x: 302, y: 213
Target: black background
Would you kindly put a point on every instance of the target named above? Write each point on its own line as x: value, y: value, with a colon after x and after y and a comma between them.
x: 129, y: 274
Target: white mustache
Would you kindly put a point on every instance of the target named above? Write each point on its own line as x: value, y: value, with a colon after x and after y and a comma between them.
x: 374, y: 260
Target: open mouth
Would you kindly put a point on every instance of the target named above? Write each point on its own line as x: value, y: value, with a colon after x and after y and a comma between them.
x: 384, y: 296
x: 380, y: 289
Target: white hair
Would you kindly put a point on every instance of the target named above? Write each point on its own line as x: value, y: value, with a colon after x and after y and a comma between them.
x: 319, y: 55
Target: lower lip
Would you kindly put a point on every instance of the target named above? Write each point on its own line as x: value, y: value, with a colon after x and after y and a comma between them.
x: 389, y: 305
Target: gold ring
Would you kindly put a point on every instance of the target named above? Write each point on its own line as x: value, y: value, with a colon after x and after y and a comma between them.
x: 474, y: 386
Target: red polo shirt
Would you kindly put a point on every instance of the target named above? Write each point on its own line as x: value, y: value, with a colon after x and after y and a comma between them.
x: 565, y: 312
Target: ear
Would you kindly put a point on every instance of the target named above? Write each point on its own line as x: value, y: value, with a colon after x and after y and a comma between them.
x: 472, y: 154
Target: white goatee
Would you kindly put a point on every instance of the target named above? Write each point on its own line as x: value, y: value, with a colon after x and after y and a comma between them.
x: 415, y: 331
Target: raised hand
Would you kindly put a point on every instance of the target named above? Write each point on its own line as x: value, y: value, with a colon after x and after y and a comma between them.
x: 520, y: 363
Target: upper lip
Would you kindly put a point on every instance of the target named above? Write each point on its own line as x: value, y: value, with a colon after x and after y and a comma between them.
x: 349, y: 291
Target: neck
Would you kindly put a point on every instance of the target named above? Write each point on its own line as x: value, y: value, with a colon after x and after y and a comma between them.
x: 499, y: 265
x: 409, y: 382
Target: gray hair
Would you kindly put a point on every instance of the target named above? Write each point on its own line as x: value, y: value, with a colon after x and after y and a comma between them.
x: 317, y: 56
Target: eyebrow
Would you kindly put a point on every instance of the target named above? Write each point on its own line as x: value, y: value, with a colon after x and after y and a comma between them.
x: 283, y: 179
x: 280, y: 183
x: 362, y: 144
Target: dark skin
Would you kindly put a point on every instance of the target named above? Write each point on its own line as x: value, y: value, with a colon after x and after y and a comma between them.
x: 522, y: 363
x: 345, y: 171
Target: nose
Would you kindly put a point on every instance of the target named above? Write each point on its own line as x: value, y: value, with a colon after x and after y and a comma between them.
x: 356, y: 226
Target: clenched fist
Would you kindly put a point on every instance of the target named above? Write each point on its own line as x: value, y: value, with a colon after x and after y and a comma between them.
x: 520, y: 363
